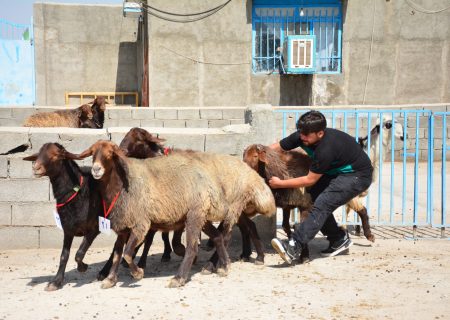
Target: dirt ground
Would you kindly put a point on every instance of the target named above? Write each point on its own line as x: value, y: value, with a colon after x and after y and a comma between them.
x: 391, y: 279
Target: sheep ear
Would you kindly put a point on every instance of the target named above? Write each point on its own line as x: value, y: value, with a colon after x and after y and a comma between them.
x: 84, y: 154
x: 79, y: 112
x: 263, y: 156
x: 33, y: 157
x: 375, y: 130
x: 122, y: 167
x: 154, y: 139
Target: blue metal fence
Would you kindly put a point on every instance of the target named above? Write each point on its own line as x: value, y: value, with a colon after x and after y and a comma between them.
x: 410, y: 188
x: 17, y: 84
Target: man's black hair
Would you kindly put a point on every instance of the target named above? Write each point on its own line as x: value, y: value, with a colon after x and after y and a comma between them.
x: 312, y: 121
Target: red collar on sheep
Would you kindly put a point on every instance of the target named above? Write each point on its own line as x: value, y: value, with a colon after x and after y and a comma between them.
x: 107, y: 212
x: 76, y: 189
x: 167, y: 151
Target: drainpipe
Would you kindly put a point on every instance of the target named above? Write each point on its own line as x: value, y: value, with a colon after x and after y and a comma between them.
x: 145, y: 99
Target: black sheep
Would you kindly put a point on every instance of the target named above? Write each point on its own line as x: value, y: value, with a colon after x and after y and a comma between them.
x: 78, y: 202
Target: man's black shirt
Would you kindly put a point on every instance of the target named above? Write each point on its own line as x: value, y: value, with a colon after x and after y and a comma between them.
x: 336, y: 153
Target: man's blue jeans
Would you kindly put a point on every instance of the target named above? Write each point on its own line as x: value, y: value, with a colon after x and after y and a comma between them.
x: 328, y: 194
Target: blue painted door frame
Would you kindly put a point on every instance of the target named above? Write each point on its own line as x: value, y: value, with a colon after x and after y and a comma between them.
x: 17, y: 80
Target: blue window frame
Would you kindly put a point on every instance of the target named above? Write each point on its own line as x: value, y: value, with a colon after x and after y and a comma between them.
x: 274, y: 20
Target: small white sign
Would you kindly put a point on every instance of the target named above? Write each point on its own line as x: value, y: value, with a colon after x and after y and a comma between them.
x: 57, y: 219
x: 104, y: 225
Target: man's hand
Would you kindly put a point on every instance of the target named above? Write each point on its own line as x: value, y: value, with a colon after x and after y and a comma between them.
x: 275, y: 182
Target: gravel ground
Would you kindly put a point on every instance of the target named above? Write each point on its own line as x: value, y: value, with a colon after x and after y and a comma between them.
x: 391, y: 279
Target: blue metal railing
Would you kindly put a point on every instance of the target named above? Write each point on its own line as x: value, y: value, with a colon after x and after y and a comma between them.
x: 405, y: 200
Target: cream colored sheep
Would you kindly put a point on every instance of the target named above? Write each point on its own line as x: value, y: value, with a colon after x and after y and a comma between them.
x: 190, y: 188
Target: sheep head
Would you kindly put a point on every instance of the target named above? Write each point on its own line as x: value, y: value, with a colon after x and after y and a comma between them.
x: 139, y: 143
x: 254, y: 155
x: 108, y: 162
x: 98, y: 109
x: 48, y: 160
x: 85, y: 117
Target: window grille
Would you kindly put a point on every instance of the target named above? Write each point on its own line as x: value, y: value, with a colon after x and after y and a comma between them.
x: 273, y: 21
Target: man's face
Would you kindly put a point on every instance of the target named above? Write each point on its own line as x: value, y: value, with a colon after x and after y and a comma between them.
x: 311, y: 138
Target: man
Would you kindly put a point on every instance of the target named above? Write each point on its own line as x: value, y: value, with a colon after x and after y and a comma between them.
x: 340, y: 170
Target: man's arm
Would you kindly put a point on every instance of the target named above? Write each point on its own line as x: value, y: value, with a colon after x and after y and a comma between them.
x: 305, y: 181
x: 276, y: 147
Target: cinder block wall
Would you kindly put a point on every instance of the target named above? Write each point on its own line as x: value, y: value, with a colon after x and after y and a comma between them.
x: 126, y: 116
x: 27, y: 203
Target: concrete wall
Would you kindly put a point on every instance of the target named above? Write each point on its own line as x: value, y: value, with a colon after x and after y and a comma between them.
x: 83, y: 48
x: 392, y: 54
x: 409, y: 58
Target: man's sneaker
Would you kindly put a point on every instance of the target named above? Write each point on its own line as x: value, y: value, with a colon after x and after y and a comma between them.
x: 337, y: 247
x: 288, y: 250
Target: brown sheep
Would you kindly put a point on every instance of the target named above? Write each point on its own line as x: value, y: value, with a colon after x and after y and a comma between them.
x: 80, y: 117
x: 139, y: 143
x: 98, y: 106
x: 197, y: 189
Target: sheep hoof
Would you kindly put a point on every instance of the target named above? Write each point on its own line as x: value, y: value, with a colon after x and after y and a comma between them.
x: 244, y: 258
x: 371, y: 238
x: 304, y: 260
x: 82, y: 267
x: 208, y: 268
x: 108, y: 283
x: 52, y: 286
x: 101, y: 276
x: 176, y: 282
x: 259, y: 262
x: 179, y: 250
x: 222, y: 272
x: 138, y: 274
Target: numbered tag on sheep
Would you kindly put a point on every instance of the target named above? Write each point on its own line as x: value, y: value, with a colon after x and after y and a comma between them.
x: 104, y: 225
x: 57, y: 219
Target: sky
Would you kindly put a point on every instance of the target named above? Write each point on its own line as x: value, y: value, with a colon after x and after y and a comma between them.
x: 20, y: 11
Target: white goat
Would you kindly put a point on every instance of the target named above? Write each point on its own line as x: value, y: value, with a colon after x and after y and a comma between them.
x: 375, y: 150
x: 374, y: 154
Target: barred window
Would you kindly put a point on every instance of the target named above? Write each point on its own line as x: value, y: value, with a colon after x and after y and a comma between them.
x: 274, y: 21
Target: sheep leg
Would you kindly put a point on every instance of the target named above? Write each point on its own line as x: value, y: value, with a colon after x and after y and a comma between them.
x: 193, y: 229
x: 167, y: 248
x: 136, y: 272
x: 177, y: 246
x: 254, y: 236
x: 85, y: 244
x: 286, y: 224
x: 147, y: 244
x: 246, y: 244
x: 111, y: 279
x: 107, y: 267
x: 210, y: 243
x: 57, y: 281
x: 365, y: 224
x: 220, y: 256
